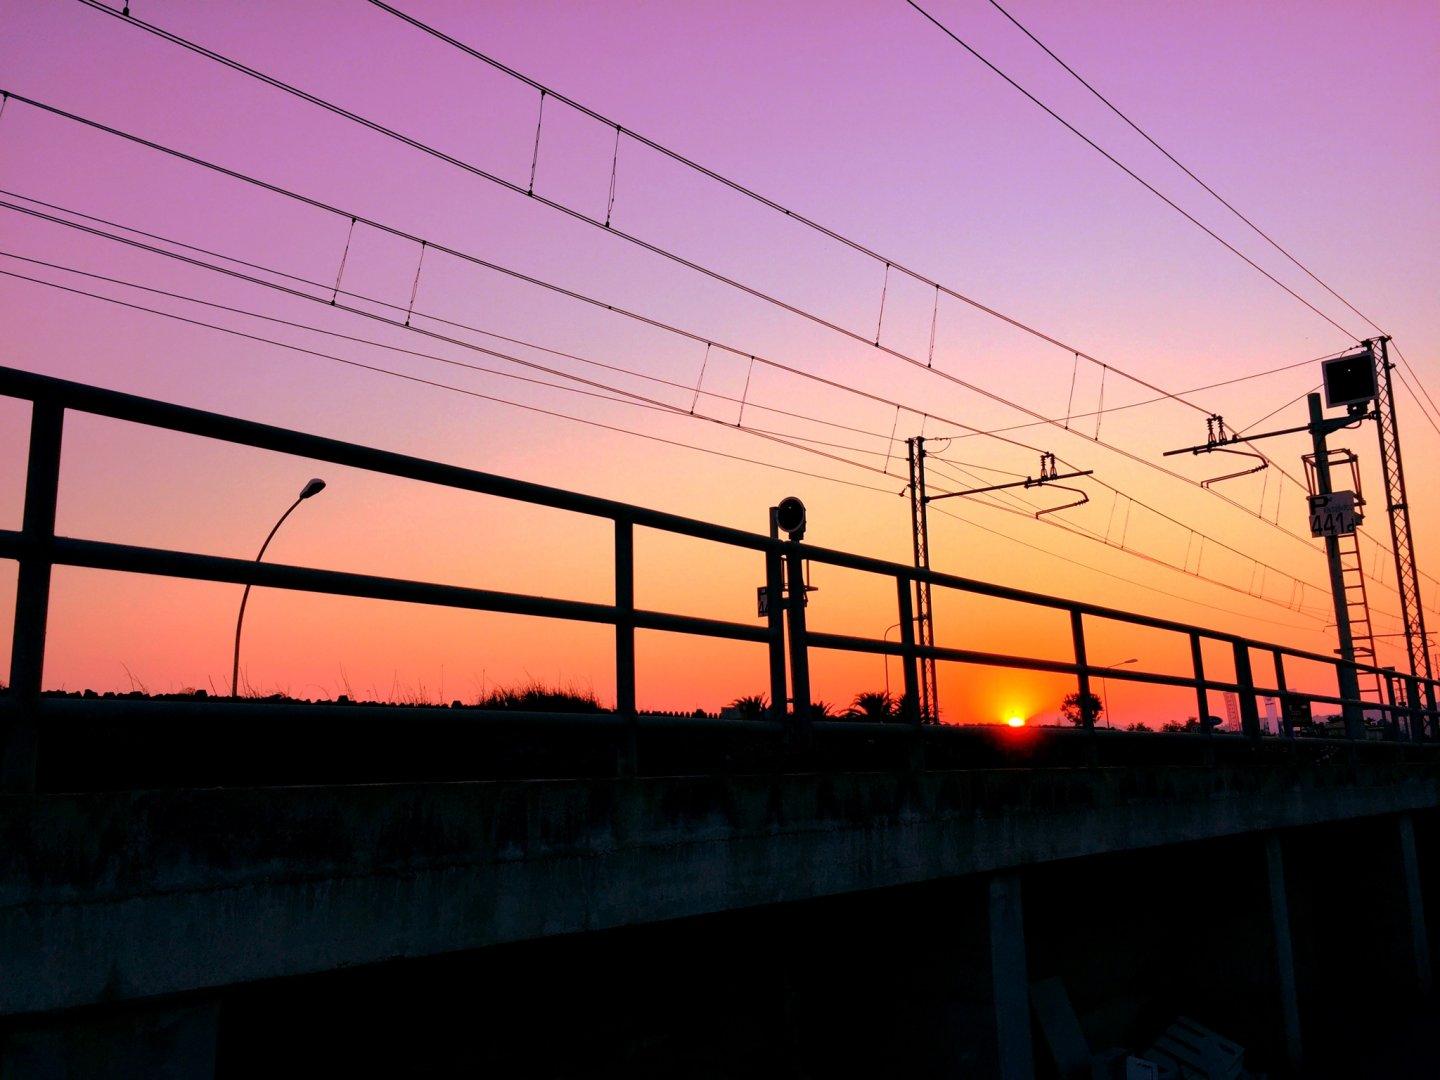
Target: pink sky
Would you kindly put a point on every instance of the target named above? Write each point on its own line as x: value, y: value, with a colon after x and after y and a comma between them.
x: 1318, y: 121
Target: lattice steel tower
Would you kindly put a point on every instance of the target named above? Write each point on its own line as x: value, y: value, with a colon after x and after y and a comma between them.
x: 1407, y: 573
x: 929, y: 703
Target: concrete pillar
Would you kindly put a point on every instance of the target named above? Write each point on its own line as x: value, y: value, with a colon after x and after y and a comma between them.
x: 1284, y: 949
x: 171, y: 1042
x: 1414, y: 903
x: 1009, y: 975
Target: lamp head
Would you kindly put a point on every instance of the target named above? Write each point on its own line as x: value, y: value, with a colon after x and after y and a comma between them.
x: 314, y: 487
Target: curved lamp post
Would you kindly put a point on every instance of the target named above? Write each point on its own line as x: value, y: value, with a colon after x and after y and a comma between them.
x: 313, y: 488
x: 1104, y: 688
x: 886, y: 637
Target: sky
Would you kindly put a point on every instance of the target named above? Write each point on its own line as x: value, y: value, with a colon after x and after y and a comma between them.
x: 1316, y: 121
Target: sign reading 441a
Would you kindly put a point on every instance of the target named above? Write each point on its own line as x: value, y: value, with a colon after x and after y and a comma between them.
x: 1335, y: 514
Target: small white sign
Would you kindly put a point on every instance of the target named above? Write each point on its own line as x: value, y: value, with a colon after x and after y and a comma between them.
x: 1334, y: 514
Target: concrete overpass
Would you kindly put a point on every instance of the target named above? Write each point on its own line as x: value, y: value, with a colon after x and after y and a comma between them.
x: 233, y: 888
x: 129, y: 920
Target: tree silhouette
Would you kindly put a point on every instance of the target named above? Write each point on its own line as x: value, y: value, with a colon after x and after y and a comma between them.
x: 874, y: 705
x: 751, y: 706
x: 1074, y: 706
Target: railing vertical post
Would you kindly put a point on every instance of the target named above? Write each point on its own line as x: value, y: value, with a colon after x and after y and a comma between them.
x: 625, y: 643
x: 775, y: 616
x: 1287, y: 725
x: 1392, y: 713
x: 1249, y: 710
x: 21, y: 736
x: 1202, y: 696
x: 1417, y: 717
x: 1082, y: 675
x: 910, y: 704
x: 799, y: 645
x: 1353, y: 718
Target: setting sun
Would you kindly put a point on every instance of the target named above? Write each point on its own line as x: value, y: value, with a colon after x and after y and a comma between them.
x: 1016, y: 721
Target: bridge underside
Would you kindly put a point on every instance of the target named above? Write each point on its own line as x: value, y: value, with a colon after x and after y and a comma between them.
x: 155, y: 915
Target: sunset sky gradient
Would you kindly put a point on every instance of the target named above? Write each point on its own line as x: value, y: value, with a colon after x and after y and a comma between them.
x: 1318, y: 121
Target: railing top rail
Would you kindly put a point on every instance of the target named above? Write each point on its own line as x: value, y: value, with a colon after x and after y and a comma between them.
x: 852, y: 561
x: 114, y: 404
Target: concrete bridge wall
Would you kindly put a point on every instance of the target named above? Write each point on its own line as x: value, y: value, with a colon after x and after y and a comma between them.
x: 128, y: 920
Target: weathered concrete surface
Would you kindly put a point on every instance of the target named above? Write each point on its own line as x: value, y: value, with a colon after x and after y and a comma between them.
x: 114, y: 896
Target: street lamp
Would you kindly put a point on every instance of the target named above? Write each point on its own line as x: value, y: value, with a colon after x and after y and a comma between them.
x: 886, y: 637
x: 313, y: 488
x: 1104, y: 687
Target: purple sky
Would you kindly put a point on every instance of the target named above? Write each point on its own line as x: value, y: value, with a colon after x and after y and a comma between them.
x: 1318, y: 121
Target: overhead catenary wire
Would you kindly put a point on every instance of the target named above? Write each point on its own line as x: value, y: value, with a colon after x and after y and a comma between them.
x: 398, y: 325
x: 1180, y: 165
x: 268, y: 284
x: 299, y: 294
x: 792, y: 215
x: 449, y: 387
x: 818, y: 319
x: 609, y: 427
x: 733, y: 185
x: 371, y: 315
x: 1123, y: 168
x: 381, y: 129
x: 573, y: 294
x: 1433, y: 410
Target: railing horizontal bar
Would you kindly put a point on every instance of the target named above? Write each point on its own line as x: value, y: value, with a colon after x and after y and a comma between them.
x: 129, y: 407
x: 693, y: 624
x: 134, y: 409
x: 846, y: 643
x: 850, y: 561
x: 100, y: 555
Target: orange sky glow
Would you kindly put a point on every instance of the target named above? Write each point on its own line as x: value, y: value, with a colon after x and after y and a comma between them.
x: 864, y: 120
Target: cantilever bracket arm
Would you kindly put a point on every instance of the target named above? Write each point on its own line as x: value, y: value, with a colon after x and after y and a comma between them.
x: 1327, y: 427
x: 1084, y: 498
x: 1028, y: 482
x: 1264, y: 464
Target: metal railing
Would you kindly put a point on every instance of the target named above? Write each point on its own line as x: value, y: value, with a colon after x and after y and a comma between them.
x: 38, y: 550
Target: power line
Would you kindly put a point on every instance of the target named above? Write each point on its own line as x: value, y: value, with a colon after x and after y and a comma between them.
x: 589, y: 422
x: 1179, y: 165
x: 1144, y: 401
x: 396, y: 323
x: 337, y: 292
x: 891, y: 263
x: 1209, y: 190
x: 646, y: 320
x: 628, y: 400
x: 1123, y: 168
x: 399, y: 325
x: 475, y: 170
x: 637, y: 398
x: 1011, y: 538
x: 423, y: 242
x: 446, y: 386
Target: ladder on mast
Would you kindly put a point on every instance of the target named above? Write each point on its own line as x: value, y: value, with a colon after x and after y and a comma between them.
x: 1357, y: 601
